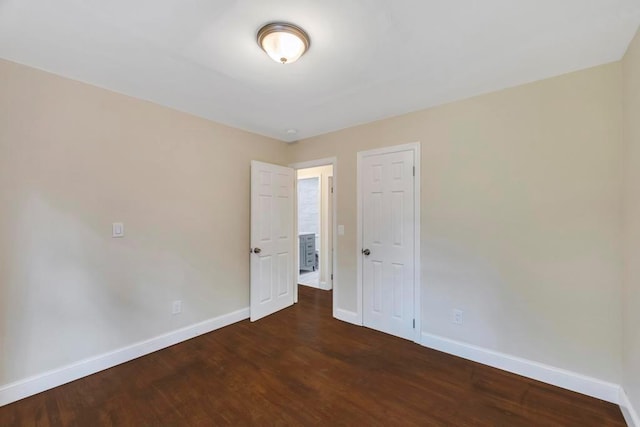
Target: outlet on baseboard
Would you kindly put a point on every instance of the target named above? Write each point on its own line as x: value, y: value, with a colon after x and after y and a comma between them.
x: 176, y: 307
x: 457, y: 316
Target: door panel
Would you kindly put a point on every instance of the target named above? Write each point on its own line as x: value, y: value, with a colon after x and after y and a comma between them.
x: 271, y: 238
x: 388, y: 233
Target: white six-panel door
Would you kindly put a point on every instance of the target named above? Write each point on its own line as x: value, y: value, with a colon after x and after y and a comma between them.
x: 388, y: 242
x: 272, y: 242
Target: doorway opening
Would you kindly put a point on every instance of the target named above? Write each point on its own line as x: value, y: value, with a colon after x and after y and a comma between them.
x: 315, y: 219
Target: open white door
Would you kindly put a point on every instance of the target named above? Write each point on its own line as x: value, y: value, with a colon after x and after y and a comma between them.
x: 272, y: 228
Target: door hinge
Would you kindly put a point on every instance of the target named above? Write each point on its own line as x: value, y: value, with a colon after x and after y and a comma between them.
x: 414, y: 171
x: 331, y: 190
x: 331, y: 276
x: 414, y: 323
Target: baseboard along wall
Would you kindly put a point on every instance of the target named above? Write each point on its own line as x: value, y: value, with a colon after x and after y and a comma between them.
x: 347, y: 316
x: 573, y: 381
x: 628, y: 411
x: 15, y: 391
x: 589, y: 386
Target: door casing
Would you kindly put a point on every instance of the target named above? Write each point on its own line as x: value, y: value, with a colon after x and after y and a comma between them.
x: 333, y: 161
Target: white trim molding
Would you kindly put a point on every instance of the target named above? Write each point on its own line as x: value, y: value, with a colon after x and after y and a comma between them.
x: 347, y: 316
x: 333, y: 161
x: 321, y: 285
x: 527, y: 368
x: 36, y: 384
x: 359, y: 294
x: 628, y: 411
x: 325, y: 286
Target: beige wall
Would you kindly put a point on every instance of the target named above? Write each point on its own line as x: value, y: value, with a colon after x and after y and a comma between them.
x: 521, y: 196
x: 631, y: 296
x: 74, y: 159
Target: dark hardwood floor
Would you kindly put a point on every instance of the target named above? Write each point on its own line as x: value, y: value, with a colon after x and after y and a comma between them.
x: 302, y: 367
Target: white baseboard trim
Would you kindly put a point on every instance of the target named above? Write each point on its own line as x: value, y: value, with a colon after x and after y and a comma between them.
x: 347, y: 316
x: 628, y: 411
x: 33, y: 385
x: 322, y: 285
x: 325, y: 286
x: 307, y: 285
x: 538, y: 371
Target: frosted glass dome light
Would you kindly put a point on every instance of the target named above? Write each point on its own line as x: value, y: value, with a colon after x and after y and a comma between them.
x: 284, y: 43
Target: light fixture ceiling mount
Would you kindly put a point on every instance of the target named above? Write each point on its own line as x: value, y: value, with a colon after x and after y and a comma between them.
x: 283, y: 42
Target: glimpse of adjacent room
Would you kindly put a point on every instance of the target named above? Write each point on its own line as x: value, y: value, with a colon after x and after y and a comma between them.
x: 315, y: 225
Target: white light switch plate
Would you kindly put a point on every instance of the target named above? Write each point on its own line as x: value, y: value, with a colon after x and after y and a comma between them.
x: 341, y: 230
x: 117, y: 229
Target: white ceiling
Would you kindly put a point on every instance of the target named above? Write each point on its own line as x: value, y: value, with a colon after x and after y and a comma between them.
x: 369, y: 59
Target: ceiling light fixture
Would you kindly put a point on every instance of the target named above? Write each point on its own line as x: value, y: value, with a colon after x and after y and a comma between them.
x: 283, y: 42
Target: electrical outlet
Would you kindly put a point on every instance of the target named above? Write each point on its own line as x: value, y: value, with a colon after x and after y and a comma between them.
x: 457, y: 316
x: 176, y: 307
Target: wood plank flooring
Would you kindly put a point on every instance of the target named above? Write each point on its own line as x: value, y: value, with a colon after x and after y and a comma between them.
x: 302, y: 367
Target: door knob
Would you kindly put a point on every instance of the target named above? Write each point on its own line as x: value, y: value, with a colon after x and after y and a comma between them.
x: 257, y: 250
x: 367, y: 252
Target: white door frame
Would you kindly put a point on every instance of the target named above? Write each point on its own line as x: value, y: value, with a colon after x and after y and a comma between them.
x: 333, y: 161
x: 417, y: 306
